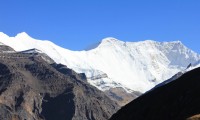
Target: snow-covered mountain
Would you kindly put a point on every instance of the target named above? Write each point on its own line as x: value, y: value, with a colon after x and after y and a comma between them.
x: 137, y: 66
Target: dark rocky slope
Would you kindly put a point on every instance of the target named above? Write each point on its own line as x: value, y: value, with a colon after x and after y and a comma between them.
x: 32, y: 89
x: 177, y: 100
x: 121, y: 96
x: 5, y: 48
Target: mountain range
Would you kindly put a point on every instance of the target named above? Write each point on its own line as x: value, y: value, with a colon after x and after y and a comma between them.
x: 41, y: 80
x: 113, y: 66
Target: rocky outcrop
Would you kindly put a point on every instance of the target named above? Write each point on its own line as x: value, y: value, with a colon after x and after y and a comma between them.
x: 99, y: 76
x: 5, y: 48
x: 114, y: 91
x: 175, y: 100
x: 65, y: 70
x: 121, y: 96
x: 36, y: 52
x: 33, y: 89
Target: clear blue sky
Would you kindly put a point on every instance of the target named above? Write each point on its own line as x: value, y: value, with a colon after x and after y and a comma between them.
x: 76, y: 24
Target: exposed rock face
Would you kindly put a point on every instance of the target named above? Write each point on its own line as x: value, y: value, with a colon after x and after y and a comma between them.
x: 99, y: 76
x: 5, y: 48
x: 121, y: 96
x: 32, y: 89
x: 176, y: 100
x: 65, y: 70
x: 36, y: 52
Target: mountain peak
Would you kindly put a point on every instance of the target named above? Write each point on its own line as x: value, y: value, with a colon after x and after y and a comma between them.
x: 105, y: 42
x: 23, y: 35
x: 109, y: 39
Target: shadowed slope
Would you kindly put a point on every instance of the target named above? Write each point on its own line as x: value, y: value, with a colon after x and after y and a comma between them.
x: 177, y: 100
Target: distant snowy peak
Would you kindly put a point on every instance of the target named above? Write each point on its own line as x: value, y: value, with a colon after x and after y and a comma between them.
x: 19, y: 35
x: 22, y: 35
x: 175, y: 51
x: 110, y: 41
x: 106, y: 42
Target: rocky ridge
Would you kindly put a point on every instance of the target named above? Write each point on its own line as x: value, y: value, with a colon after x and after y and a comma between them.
x: 31, y: 88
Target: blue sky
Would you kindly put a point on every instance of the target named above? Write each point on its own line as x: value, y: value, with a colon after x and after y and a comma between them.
x: 76, y: 24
